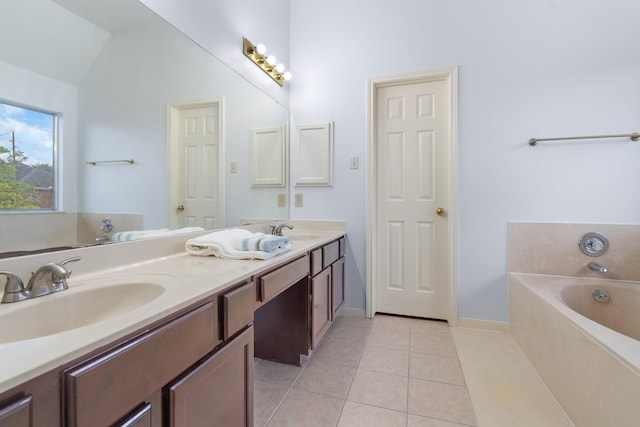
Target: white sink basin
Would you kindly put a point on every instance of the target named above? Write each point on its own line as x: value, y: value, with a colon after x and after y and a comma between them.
x: 75, y: 308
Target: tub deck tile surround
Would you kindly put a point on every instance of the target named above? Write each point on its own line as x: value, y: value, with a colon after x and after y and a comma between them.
x: 591, y: 370
x: 552, y: 248
x: 577, y: 362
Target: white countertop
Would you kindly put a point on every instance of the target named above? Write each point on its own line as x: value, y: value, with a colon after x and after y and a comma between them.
x: 188, y: 279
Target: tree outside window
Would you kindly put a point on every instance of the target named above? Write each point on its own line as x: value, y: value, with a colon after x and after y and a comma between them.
x: 27, y: 139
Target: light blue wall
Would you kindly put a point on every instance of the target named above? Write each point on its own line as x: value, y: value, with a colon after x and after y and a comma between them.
x: 527, y: 69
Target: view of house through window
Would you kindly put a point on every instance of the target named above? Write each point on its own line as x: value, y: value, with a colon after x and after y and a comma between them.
x: 27, y: 141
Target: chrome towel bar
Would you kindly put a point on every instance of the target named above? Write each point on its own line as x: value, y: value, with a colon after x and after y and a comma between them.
x: 634, y: 137
x: 97, y: 162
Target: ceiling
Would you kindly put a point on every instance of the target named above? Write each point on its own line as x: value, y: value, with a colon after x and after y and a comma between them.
x: 62, y: 38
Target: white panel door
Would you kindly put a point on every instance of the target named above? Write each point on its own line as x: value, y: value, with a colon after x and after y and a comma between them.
x: 198, y: 178
x: 412, y: 199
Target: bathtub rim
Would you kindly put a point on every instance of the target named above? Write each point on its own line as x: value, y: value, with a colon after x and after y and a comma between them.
x: 547, y: 288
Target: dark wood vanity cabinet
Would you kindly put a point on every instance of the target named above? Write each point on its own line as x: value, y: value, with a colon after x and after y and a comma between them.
x: 115, y: 383
x: 337, y: 286
x: 282, y: 316
x: 180, y: 373
x: 327, y: 287
x: 218, y: 391
x: 17, y: 413
x: 195, y: 367
x: 321, y: 312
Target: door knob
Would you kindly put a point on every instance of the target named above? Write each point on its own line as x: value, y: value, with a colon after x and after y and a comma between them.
x: 180, y: 208
x: 441, y: 211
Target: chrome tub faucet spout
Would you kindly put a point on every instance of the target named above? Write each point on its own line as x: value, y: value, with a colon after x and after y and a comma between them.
x: 595, y: 266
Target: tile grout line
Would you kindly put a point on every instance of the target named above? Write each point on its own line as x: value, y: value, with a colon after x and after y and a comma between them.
x: 346, y: 397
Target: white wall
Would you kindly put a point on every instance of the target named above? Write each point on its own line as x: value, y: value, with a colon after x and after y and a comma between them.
x: 219, y: 27
x: 527, y: 69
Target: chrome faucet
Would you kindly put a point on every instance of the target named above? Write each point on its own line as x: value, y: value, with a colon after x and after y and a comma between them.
x: 595, y: 266
x: 277, y: 231
x: 48, y: 279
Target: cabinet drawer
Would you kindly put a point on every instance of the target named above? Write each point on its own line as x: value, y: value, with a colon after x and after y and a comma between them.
x: 342, y: 247
x: 330, y: 253
x: 17, y: 414
x: 277, y: 281
x: 316, y: 261
x: 104, y: 388
x: 141, y: 417
x: 237, y: 309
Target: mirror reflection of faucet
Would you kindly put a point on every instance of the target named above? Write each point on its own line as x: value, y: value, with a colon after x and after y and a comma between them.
x: 48, y: 279
x: 103, y: 239
x: 106, y: 227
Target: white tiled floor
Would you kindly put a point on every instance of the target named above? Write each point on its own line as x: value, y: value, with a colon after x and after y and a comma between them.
x: 395, y: 371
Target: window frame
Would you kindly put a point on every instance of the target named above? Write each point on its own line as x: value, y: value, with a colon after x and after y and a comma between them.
x: 56, y: 163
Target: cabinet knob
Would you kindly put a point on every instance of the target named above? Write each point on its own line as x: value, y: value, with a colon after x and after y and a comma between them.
x: 441, y: 211
x: 180, y: 208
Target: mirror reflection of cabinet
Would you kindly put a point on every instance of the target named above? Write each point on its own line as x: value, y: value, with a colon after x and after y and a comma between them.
x: 268, y: 157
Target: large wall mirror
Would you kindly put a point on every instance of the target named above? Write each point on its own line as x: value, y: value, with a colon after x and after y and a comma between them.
x: 125, y: 83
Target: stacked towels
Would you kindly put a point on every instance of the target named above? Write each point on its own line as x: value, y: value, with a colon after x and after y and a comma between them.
x: 261, y: 242
x: 237, y: 243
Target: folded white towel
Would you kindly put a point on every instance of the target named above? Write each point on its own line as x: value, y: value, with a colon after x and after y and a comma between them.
x: 222, y: 244
x: 125, y: 236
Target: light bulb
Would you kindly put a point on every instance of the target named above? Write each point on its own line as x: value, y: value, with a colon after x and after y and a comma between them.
x: 286, y: 75
x: 279, y: 68
x: 261, y: 49
x: 271, y: 60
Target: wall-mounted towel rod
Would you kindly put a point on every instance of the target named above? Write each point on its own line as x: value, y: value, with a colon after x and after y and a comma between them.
x: 97, y: 162
x: 634, y: 137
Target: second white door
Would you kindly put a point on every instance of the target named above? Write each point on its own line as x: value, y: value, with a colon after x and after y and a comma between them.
x: 412, y: 255
x: 198, y: 172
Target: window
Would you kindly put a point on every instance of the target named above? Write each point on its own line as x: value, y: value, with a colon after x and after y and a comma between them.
x: 27, y: 159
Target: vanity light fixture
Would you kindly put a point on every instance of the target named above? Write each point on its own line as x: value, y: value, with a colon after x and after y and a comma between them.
x: 268, y: 63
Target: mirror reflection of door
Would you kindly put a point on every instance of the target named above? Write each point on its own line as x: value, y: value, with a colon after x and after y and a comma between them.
x: 196, y: 178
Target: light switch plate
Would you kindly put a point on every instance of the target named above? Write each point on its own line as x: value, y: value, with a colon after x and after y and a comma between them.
x: 234, y: 167
x: 355, y: 162
x: 298, y: 200
x: 282, y: 200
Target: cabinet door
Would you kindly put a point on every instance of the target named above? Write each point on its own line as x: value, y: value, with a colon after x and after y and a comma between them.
x: 321, y: 308
x: 141, y: 417
x: 337, y: 279
x: 17, y: 413
x: 219, y: 391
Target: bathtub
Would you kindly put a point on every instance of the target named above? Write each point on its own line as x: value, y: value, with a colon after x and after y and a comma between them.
x: 586, y: 352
